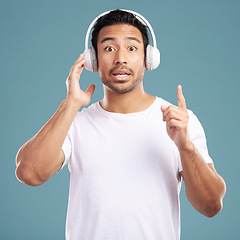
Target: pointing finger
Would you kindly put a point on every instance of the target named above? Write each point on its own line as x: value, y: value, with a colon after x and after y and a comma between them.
x: 181, y: 99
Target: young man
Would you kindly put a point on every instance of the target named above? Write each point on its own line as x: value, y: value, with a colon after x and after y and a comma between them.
x: 126, y: 153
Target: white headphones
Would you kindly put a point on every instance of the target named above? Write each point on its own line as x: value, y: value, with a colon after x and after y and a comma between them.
x: 152, y: 53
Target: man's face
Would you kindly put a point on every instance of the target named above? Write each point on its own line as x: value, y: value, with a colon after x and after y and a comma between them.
x: 121, y: 63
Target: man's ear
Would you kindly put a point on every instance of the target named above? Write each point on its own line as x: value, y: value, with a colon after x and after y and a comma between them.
x: 91, y: 59
x: 152, y: 58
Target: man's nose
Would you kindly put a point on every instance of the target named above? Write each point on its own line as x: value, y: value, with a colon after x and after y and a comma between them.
x: 121, y: 57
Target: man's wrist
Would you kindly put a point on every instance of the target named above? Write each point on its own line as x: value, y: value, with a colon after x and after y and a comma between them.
x: 73, y: 103
x: 188, y: 147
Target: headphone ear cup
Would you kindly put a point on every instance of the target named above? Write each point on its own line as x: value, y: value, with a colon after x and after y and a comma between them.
x: 152, y: 58
x: 91, y: 59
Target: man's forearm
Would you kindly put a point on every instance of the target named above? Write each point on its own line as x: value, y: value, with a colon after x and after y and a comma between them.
x: 39, y: 158
x: 205, y: 188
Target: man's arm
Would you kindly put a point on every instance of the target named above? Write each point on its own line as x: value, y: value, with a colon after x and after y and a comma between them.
x: 41, y: 157
x: 205, y: 188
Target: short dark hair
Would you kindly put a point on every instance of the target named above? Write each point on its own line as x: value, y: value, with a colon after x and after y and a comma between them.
x: 119, y: 17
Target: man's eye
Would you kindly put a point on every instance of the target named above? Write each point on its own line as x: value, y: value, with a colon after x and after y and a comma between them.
x: 132, y: 48
x: 109, y: 49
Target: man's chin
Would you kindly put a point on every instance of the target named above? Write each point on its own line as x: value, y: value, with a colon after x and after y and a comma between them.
x: 122, y: 88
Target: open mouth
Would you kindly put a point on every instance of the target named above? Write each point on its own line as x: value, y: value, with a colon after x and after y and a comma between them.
x: 121, y: 73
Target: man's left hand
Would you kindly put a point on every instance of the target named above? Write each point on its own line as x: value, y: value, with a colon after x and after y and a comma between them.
x: 176, y: 119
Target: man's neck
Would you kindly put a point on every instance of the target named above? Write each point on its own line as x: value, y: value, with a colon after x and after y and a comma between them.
x: 136, y: 100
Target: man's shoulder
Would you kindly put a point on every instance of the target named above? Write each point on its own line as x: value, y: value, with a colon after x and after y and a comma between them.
x: 93, y: 107
x: 160, y: 101
x: 89, y: 110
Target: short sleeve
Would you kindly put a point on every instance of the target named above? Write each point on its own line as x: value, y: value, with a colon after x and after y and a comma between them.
x: 197, y: 136
x: 67, y: 150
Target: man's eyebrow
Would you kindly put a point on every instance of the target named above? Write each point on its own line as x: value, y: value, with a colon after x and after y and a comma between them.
x: 107, y: 39
x: 135, y: 39
x: 112, y: 39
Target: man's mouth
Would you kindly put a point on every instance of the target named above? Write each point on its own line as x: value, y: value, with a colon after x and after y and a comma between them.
x: 121, y: 73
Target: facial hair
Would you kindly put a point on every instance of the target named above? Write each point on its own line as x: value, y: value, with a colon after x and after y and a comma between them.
x: 122, y: 87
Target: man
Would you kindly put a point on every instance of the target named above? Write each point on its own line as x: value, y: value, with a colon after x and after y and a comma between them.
x: 126, y: 153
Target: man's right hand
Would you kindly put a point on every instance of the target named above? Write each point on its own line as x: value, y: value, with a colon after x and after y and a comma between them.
x: 41, y: 157
x: 74, y: 92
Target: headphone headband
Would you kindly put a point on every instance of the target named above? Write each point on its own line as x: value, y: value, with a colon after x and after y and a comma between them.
x: 142, y: 19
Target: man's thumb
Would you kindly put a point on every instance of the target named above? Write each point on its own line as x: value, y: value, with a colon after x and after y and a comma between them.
x: 163, y: 108
x: 90, y: 90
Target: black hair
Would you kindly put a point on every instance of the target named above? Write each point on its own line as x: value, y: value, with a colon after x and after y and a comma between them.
x: 119, y: 17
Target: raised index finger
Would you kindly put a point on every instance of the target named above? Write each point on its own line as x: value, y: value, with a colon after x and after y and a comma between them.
x: 181, y: 99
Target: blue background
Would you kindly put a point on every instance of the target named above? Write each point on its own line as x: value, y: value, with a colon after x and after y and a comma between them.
x: 40, y: 41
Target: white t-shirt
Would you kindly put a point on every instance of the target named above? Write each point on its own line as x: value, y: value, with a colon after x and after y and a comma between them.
x: 125, y: 175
